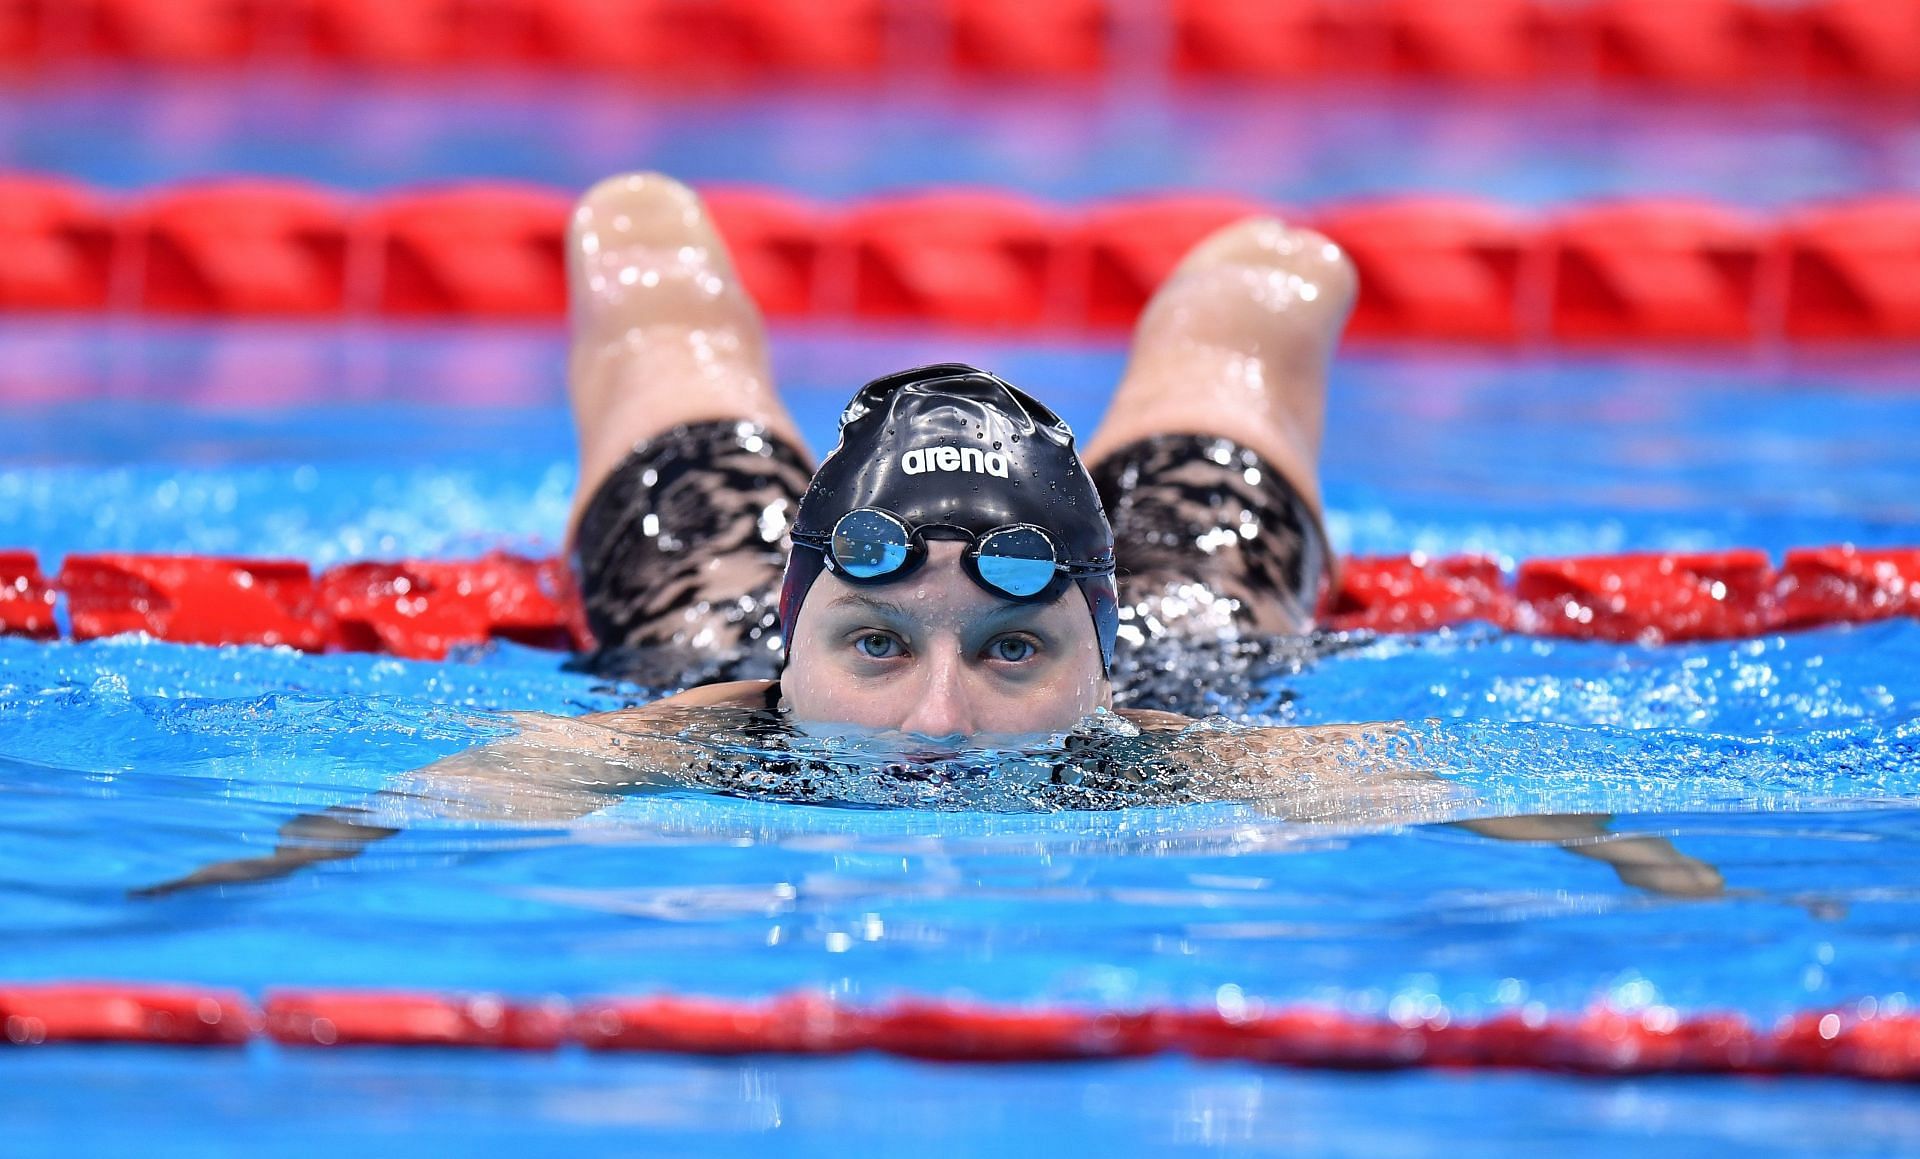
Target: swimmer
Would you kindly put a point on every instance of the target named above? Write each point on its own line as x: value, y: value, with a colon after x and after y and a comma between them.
x: 956, y: 573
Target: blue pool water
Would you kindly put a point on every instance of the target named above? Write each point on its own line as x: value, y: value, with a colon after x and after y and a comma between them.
x: 1788, y: 761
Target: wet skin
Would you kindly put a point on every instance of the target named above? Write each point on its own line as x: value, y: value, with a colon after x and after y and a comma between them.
x: 937, y: 660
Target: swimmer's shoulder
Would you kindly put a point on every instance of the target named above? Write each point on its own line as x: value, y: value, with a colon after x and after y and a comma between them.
x: 1153, y: 720
x: 731, y: 694
x: 660, y: 734
x: 752, y: 696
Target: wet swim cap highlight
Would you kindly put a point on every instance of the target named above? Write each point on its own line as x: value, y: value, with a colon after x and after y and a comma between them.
x: 953, y: 447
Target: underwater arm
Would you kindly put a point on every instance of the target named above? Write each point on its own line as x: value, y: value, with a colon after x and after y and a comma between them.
x: 1649, y: 863
x: 556, y: 769
x: 1364, y: 772
x: 334, y: 835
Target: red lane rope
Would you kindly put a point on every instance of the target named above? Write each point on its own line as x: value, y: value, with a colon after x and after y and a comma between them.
x: 422, y: 609
x: 1868, y: 47
x: 1447, y: 269
x: 1861, y: 1041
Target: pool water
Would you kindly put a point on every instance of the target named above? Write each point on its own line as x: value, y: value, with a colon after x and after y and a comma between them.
x: 1792, y: 762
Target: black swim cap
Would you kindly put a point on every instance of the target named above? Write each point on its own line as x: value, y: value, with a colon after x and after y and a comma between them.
x: 954, y: 445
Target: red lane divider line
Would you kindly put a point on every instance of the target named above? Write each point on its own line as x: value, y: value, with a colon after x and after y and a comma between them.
x: 790, y: 1024
x: 192, y: 600
x: 346, y: 1018
x: 1449, y: 269
x: 1657, y: 597
x: 423, y: 609
x: 124, y: 1012
x: 1407, y: 594
x: 26, y: 598
x: 1862, y: 1042
x: 1866, y: 46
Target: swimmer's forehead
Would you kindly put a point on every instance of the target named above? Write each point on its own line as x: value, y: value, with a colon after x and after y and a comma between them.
x: 936, y: 609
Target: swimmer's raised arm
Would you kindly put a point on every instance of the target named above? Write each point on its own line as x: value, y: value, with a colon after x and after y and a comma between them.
x: 556, y: 769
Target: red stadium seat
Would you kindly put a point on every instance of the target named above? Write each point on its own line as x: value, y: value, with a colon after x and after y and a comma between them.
x: 191, y: 599
x: 1667, y: 271
x: 1437, y: 268
x: 252, y: 247
x: 58, y: 242
x: 969, y: 258
x: 1414, y: 594
x: 1853, y: 271
x: 1652, y: 598
x: 481, y: 250
x: 26, y: 598
x: 779, y: 244
x: 1054, y: 38
x: 1121, y: 252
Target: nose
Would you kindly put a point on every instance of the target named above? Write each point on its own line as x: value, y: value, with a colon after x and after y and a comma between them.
x: 945, y: 708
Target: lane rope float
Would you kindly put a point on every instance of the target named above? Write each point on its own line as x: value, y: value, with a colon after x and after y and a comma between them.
x: 424, y: 609
x: 1860, y: 1041
x: 1631, y: 272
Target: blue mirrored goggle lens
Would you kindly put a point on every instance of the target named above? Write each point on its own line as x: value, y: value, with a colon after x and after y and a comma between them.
x: 868, y: 545
x: 1018, y: 561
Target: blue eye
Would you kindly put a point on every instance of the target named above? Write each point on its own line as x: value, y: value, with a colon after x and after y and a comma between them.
x: 1013, y: 649
x: 877, y: 646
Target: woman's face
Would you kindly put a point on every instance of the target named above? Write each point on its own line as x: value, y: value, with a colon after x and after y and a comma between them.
x: 939, y: 659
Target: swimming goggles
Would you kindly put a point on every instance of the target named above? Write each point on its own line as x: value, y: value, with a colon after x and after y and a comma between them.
x: 1017, y: 562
